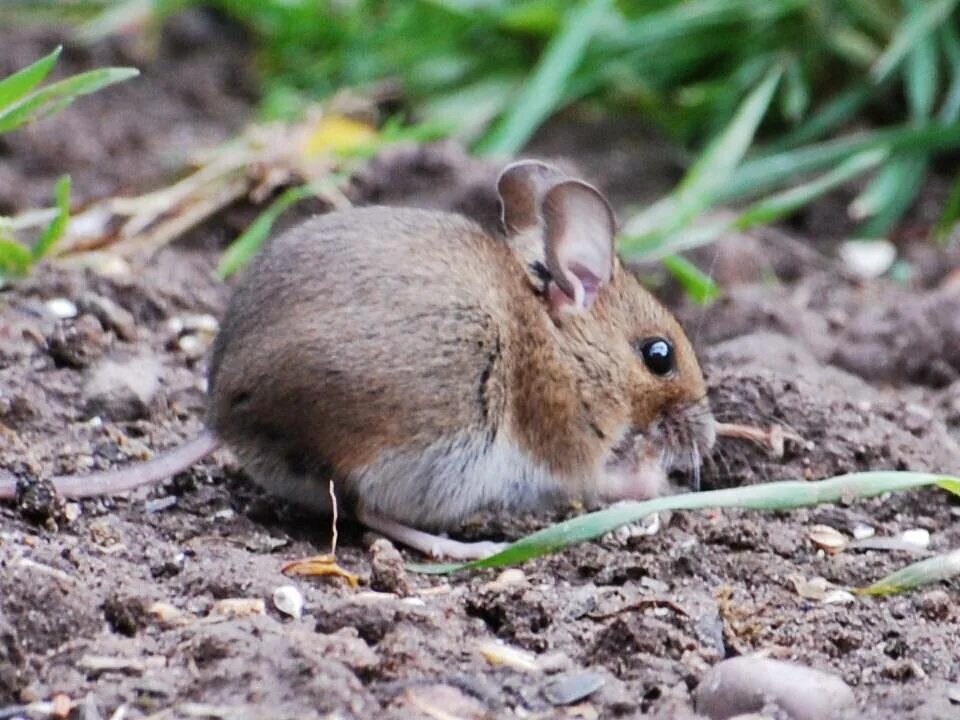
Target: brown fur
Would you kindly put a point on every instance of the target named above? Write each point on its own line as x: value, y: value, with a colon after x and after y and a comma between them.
x: 375, y: 330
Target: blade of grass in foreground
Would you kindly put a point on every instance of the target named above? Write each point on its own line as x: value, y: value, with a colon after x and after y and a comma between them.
x: 15, y: 259
x: 547, y: 84
x: 787, y: 495
x: 54, y: 229
x: 935, y: 569
x: 248, y: 243
x: 698, y: 286
x: 53, y: 98
x: 23, y: 81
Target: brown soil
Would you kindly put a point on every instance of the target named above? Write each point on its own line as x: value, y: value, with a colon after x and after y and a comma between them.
x: 867, y: 373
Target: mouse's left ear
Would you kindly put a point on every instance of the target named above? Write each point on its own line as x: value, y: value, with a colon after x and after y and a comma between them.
x: 521, y: 186
x: 578, y: 240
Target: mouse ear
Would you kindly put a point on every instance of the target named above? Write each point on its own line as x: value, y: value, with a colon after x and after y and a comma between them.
x: 521, y: 185
x: 578, y: 238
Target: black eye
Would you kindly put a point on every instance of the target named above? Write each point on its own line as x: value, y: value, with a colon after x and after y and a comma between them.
x: 657, y: 354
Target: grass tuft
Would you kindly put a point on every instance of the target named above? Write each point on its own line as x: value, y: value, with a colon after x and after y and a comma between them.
x: 788, y: 495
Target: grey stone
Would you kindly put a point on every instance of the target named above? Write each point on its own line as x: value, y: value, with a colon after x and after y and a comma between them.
x: 744, y: 685
x: 122, y: 390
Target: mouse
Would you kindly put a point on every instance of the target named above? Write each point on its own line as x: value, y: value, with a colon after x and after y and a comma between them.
x: 432, y: 370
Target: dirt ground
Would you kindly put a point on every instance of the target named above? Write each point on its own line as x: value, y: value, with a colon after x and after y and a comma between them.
x: 117, y: 603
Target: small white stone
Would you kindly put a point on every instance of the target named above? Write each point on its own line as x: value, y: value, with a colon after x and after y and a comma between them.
x: 233, y: 608
x: 510, y: 576
x: 862, y: 531
x: 191, y: 345
x: 916, y: 536
x: 288, y: 600
x: 62, y: 308
x: 810, y: 589
x: 414, y: 601
x: 71, y: 511
x: 497, y: 652
x: 867, y: 259
x: 203, y: 323
x: 839, y: 597
x: 828, y: 538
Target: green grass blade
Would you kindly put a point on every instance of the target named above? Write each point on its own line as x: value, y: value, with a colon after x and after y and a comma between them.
x: 951, y: 213
x: 950, y: 485
x: 705, y: 180
x: 921, y: 71
x: 779, y: 206
x: 912, y: 30
x: 698, y: 286
x: 544, y: 90
x: 53, y: 98
x: 763, y: 212
x: 248, y: 243
x: 15, y: 259
x: 876, y: 196
x: 679, y: 21
x: 701, y: 184
x: 54, y: 229
x: 14, y: 87
x: 950, y: 42
x: 890, y: 195
x: 825, y: 120
x: 654, y: 247
x: 786, y: 495
x: 767, y: 173
x: 924, y: 572
x: 795, y: 96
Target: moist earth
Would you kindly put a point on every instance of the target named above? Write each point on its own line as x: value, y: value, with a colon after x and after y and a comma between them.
x: 119, y: 602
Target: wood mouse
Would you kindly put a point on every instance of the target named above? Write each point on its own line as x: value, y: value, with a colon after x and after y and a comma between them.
x: 433, y: 370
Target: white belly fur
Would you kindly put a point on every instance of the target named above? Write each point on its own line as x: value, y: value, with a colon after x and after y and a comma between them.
x: 434, y: 488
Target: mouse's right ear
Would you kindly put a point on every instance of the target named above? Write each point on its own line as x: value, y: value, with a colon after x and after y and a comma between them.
x: 576, y: 230
x: 579, y: 235
x: 521, y: 187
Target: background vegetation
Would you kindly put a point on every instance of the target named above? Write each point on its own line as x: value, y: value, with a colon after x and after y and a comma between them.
x: 773, y: 102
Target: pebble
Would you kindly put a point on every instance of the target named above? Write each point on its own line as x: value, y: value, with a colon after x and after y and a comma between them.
x: 122, y: 390
x: 288, y: 600
x: 509, y: 577
x: 234, y: 608
x: 111, y: 316
x: 77, y: 343
x: 829, y: 539
x: 839, y: 597
x: 746, y: 684
x: 438, y: 701
x: 388, y: 573
x: 568, y: 688
x: 155, y: 505
x: 935, y: 604
x: 62, y: 308
x: 917, y: 536
x: 867, y: 259
x: 499, y: 653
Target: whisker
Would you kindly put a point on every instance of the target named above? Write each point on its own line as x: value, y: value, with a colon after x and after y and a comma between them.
x: 695, y: 457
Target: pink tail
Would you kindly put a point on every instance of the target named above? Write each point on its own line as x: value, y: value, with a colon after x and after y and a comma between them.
x: 111, y: 482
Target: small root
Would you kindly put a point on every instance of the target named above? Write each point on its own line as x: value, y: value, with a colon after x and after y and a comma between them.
x: 774, y: 438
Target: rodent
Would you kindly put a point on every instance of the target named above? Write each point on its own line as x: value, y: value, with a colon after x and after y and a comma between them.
x: 433, y: 370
